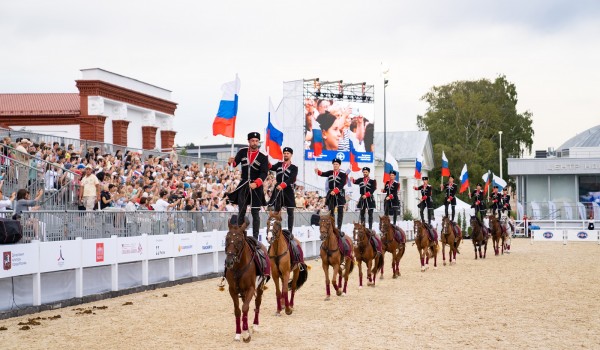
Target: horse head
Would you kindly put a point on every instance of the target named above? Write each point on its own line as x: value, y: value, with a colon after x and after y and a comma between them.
x: 359, y: 232
x: 384, y: 224
x: 234, y: 243
x: 445, y: 225
x: 273, y: 226
x: 326, y: 226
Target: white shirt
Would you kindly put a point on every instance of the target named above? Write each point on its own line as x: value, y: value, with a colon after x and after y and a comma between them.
x: 160, y: 205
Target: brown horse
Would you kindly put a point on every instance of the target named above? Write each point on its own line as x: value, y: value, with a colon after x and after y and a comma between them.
x: 331, y: 255
x: 480, y: 235
x: 452, y: 237
x: 426, y: 247
x: 281, y: 263
x: 364, y: 252
x: 241, y: 274
x: 499, y: 234
x: 392, y: 242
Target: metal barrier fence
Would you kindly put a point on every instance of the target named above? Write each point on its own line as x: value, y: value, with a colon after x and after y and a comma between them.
x: 68, y: 225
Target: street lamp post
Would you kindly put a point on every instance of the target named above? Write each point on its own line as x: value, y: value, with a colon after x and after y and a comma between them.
x: 384, y: 71
x: 500, y: 152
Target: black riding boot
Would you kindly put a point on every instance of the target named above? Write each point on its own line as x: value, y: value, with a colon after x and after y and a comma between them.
x: 370, y: 219
x: 395, y: 216
x: 290, y: 212
x: 255, y: 222
x: 340, y: 218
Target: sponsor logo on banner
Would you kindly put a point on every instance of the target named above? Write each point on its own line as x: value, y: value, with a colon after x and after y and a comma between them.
x: 341, y: 156
x: 207, y: 246
x: 99, y: 252
x: 548, y: 235
x: 7, y: 260
x: 582, y: 235
x: 159, y: 251
x: 184, y: 247
x: 131, y: 248
x: 60, y: 260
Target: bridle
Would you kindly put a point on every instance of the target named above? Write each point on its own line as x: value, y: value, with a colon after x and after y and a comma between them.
x: 326, y: 229
x: 238, y: 246
x: 272, y: 231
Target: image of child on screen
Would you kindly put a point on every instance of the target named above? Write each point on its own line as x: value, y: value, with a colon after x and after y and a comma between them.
x: 331, y: 127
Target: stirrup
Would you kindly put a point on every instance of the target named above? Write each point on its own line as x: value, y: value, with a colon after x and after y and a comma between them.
x: 221, y: 283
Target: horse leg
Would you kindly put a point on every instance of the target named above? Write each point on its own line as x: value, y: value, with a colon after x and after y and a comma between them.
x: 286, y: 279
x: 422, y: 260
x: 485, y: 249
x: 360, y: 275
x: 340, y: 274
x: 475, y: 250
x: 237, y: 312
x: 246, y: 337
x: 276, y: 280
x: 257, y: 302
x: 336, y: 286
x: 383, y: 263
x: 295, y: 277
x: 444, y: 254
x: 347, y: 273
x: 369, y: 264
x: 435, y: 254
x: 327, y: 281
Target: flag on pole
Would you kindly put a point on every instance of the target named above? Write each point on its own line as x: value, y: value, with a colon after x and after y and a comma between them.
x: 353, y: 157
x: 464, y: 179
x: 495, y: 181
x: 317, y: 139
x: 488, y: 181
x: 390, y: 164
x: 418, y: 164
x: 445, y: 168
x: 224, y: 123
x: 274, y: 138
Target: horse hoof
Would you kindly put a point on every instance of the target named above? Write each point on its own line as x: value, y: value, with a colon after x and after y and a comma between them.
x: 343, y: 294
x: 339, y: 292
x: 247, y: 340
x: 277, y: 313
x: 288, y: 311
x: 237, y: 337
x: 359, y: 287
x: 327, y: 298
x: 254, y: 328
x: 445, y: 263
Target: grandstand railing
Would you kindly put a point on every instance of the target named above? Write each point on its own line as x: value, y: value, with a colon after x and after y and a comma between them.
x: 67, y: 225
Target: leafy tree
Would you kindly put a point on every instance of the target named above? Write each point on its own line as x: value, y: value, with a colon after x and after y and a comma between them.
x: 463, y: 120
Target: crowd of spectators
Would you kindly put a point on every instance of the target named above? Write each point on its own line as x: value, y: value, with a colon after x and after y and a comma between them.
x: 128, y: 180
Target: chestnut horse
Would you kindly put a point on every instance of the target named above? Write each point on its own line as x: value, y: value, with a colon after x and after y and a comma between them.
x: 498, y: 232
x: 241, y: 274
x: 426, y: 247
x: 452, y: 237
x: 480, y: 235
x: 281, y: 263
x: 331, y: 255
x: 395, y: 244
x: 364, y: 252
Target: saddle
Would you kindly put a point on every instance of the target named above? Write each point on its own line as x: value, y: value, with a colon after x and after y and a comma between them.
x: 457, y: 230
x: 345, y: 247
x: 296, y: 253
x: 376, y: 243
x: 261, y: 258
x: 433, y: 236
x: 399, y: 235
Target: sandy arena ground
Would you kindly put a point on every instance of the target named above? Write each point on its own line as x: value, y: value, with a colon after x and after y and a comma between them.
x: 542, y: 296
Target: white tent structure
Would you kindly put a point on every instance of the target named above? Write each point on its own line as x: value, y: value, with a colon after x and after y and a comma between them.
x: 439, y: 212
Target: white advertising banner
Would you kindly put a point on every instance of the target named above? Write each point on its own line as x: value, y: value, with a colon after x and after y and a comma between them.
x: 185, y: 244
x: 582, y: 235
x: 62, y: 255
x: 548, y: 235
x: 131, y: 249
x: 98, y: 252
x: 207, y: 242
x: 219, y: 239
x: 160, y: 246
x: 20, y: 259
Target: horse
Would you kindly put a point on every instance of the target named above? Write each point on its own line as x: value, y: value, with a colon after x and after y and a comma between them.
x: 510, y: 229
x: 452, y: 237
x: 364, y: 252
x: 426, y: 247
x: 499, y: 234
x: 281, y: 262
x: 331, y: 255
x: 241, y: 273
x: 480, y: 236
x: 393, y: 239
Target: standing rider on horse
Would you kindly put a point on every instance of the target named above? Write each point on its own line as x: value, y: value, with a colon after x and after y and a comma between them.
x: 392, y: 204
x: 426, y: 202
x: 366, y: 202
x: 496, y: 202
x: 478, y: 205
x: 505, y: 201
x: 450, y: 189
x: 336, y: 180
x: 283, y: 193
x: 255, y: 166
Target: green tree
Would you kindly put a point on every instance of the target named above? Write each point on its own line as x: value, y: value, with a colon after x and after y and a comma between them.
x: 463, y: 119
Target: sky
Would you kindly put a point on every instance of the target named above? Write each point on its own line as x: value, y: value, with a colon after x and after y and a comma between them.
x: 548, y: 48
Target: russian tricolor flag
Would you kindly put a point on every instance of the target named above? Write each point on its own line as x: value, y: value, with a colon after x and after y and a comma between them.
x: 464, y: 179
x: 317, y: 139
x: 488, y: 181
x: 224, y: 123
x: 353, y: 157
x: 390, y: 164
x: 418, y: 164
x: 274, y: 137
x: 445, y: 168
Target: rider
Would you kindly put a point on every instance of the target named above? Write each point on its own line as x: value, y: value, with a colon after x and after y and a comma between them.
x: 449, y: 189
x: 425, y: 201
x: 255, y: 167
x: 478, y: 205
x: 496, y: 198
x: 505, y: 201
x: 283, y: 193
x: 391, y: 196
x: 336, y: 180
x: 366, y: 202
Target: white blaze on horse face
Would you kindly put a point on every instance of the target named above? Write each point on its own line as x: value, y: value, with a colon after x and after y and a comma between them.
x: 270, y: 225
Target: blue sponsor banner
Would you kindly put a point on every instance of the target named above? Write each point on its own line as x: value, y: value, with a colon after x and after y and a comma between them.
x: 328, y: 156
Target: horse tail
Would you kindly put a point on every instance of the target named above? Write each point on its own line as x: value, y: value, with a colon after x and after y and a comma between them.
x: 350, y: 266
x: 302, y: 276
x: 379, y: 265
x: 435, y: 249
